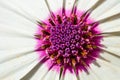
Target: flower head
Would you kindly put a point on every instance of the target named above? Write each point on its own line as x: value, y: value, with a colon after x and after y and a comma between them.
x: 67, y: 43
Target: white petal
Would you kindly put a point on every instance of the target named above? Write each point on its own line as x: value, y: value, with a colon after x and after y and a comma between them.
x: 16, y: 64
x: 112, y: 50
x: 83, y: 76
x: 15, y: 30
x: 115, y: 50
x: 41, y: 73
x: 55, y: 5
x: 37, y: 8
x: 112, y: 11
x: 20, y: 73
x: 84, y: 5
x: 111, y: 42
x: 14, y: 53
x: 14, y: 33
x: 69, y: 76
x: 93, y: 75
x: 106, y: 6
x: 52, y: 75
x: 69, y: 4
x: 11, y: 43
x: 17, y: 14
x: 107, y: 71
x: 110, y: 26
x: 113, y: 60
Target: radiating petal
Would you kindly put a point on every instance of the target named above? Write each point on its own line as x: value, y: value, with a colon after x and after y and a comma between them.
x: 21, y: 72
x: 112, y: 11
x: 10, y: 54
x: 69, y: 4
x: 69, y: 76
x: 55, y: 5
x: 11, y: 43
x: 14, y: 65
x: 51, y: 75
x: 110, y: 26
x: 103, y: 8
x: 36, y: 8
x: 111, y: 42
x: 113, y: 59
x: 41, y: 73
x: 84, y: 5
x: 83, y: 76
x: 106, y: 69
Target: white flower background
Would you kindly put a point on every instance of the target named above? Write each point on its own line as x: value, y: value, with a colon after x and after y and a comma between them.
x: 18, y: 61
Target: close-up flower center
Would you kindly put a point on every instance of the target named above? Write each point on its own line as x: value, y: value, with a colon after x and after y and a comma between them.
x: 71, y: 41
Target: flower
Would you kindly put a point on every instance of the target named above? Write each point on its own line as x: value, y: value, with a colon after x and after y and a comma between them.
x: 59, y: 40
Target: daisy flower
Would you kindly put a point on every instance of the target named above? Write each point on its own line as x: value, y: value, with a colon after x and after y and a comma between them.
x: 59, y: 39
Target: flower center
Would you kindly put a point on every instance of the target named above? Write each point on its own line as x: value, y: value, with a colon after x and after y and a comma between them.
x: 70, y: 41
